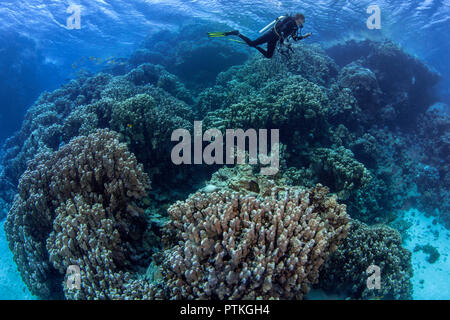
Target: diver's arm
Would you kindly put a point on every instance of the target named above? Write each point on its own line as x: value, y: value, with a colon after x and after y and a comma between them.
x: 296, y: 38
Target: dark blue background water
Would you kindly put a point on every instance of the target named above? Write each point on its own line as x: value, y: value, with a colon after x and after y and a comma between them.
x: 37, y: 51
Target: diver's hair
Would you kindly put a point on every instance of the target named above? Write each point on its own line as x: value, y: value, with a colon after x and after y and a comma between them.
x: 299, y: 16
x: 296, y: 16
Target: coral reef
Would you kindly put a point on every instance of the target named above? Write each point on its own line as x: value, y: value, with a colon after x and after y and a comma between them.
x: 239, y: 84
x: 433, y: 178
x: 293, y: 104
x: 364, y: 86
x: 347, y: 120
x: 405, y: 82
x: 339, y: 170
x: 347, y: 108
x: 135, y: 105
x: 42, y: 127
x: 434, y: 126
x: 241, y: 178
x: 310, y: 117
x: 77, y: 206
x: 156, y: 75
x: 345, y: 269
x: 231, y: 246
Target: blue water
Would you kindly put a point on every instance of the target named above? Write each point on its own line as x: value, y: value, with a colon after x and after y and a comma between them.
x: 39, y: 53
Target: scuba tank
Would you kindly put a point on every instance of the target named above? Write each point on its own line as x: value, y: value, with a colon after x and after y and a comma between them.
x: 271, y: 24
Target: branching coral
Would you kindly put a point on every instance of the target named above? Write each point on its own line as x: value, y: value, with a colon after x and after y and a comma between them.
x: 230, y: 246
x: 77, y: 206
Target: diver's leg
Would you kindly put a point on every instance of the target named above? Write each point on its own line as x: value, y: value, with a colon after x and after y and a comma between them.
x: 264, y: 52
x: 247, y: 40
x: 271, y: 45
x: 268, y: 38
x: 253, y: 43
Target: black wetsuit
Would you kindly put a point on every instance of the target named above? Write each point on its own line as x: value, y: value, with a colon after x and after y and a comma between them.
x: 284, y: 28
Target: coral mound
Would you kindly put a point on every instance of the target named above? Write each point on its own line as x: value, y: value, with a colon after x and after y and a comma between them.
x: 363, y: 83
x: 345, y: 270
x: 226, y: 245
x: 76, y: 207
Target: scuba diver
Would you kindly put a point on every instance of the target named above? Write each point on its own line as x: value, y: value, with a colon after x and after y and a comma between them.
x: 283, y: 28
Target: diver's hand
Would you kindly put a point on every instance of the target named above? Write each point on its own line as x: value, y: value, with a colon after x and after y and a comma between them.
x: 307, y: 35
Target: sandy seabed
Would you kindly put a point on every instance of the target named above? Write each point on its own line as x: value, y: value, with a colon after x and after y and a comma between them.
x: 11, y: 284
x: 431, y: 281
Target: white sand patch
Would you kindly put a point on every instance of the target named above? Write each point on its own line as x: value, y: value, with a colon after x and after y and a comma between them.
x: 11, y: 284
x: 431, y: 281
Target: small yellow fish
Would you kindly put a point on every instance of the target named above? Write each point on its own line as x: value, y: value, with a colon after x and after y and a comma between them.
x: 129, y: 125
